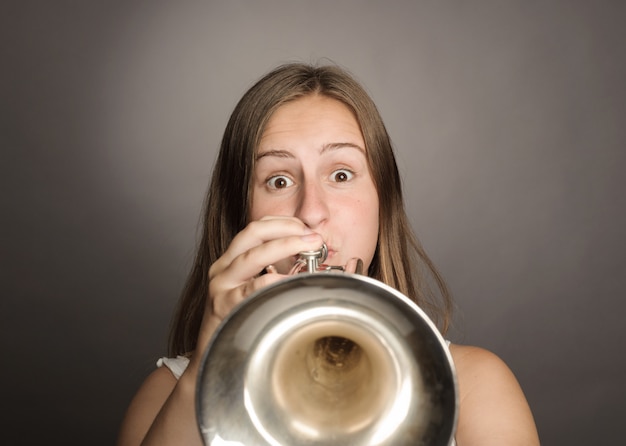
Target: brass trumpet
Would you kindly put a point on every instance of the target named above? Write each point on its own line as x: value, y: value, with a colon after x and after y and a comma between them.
x: 327, y: 359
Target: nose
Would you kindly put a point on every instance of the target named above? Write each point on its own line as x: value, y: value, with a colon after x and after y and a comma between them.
x: 312, y: 206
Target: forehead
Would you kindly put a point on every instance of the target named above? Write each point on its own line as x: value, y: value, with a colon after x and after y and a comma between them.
x: 314, y: 117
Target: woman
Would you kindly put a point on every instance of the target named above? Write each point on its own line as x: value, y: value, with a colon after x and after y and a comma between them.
x: 306, y: 160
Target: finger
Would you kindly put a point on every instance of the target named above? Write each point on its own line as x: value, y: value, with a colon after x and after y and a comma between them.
x: 224, y: 303
x: 256, y: 233
x: 251, y: 262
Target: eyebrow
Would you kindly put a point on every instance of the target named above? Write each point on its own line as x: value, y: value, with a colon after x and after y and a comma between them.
x: 325, y: 148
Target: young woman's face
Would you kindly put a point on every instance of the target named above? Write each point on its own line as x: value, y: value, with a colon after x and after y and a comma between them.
x: 311, y: 164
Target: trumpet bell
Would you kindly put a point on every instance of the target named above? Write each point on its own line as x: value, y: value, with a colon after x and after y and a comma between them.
x: 327, y: 359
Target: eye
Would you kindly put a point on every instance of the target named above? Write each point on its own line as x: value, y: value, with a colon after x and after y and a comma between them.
x: 342, y: 175
x: 279, y: 182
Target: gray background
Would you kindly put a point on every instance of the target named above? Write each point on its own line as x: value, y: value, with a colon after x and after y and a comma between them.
x: 508, y: 119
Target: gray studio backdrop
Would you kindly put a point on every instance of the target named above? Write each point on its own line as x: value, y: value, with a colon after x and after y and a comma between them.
x: 508, y: 120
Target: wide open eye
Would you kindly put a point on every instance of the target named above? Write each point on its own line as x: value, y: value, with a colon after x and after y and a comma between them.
x: 341, y: 175
x: 279, y: 182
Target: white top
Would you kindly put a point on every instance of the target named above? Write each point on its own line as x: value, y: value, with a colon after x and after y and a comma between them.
x: 176, y: 365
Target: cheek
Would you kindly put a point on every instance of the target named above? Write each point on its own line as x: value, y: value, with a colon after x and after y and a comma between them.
x: 367, y: 218
x: 373, y: 228
x: 255, y: 212
x: 257, y: 206
x: 371, y: 219
x: 365, y: 223
x: 261, y: 207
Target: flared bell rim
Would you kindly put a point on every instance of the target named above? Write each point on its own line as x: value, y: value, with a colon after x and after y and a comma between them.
x: 239, y: 333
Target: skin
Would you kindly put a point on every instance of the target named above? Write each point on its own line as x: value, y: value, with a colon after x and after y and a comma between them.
x: 311, y: 184
x: 311, y: 164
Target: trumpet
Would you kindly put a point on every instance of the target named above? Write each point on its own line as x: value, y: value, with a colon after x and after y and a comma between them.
x: 327, y: 359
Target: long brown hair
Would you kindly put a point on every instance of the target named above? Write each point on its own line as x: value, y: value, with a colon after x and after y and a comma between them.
x: 399, y: 260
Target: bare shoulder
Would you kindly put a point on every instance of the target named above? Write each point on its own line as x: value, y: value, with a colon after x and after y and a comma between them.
x: 478, y: 361
x: 493, y: 408
x: 157, y: 386
x: 145, y: 405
